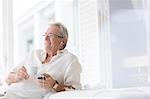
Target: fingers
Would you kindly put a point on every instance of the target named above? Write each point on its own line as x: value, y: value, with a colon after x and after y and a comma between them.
x: 24, y: 69
x: 22, y: 73
x: 11, y: 78
x: 44, y: 84
x: 48, y: 82
x: 46, y: 75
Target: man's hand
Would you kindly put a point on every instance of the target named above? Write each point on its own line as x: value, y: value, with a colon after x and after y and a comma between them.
x: 48, y: 82
x: 14, y: 77
x: 22, y: 73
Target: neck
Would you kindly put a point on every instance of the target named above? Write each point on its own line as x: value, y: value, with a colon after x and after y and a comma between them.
x: 50, y: 53
x: 48, y: 57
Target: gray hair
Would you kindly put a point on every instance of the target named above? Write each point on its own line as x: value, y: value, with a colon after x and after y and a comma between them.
x: 64, y: 31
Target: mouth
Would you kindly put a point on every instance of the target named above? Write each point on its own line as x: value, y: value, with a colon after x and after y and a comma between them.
x: 47, y: 43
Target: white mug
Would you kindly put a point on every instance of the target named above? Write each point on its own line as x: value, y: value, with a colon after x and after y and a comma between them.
x: 31, y: 70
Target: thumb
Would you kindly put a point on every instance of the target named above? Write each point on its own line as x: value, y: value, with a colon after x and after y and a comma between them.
x: 24, y: 68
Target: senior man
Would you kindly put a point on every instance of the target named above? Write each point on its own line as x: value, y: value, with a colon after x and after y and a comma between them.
x: 46, y: 71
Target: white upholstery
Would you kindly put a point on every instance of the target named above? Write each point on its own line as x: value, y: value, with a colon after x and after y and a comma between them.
x: 125, y: 93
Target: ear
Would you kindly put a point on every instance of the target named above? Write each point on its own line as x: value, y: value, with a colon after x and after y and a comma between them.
x: 61, y: 45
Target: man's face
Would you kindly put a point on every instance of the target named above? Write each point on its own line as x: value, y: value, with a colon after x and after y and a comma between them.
x: 52, y: 38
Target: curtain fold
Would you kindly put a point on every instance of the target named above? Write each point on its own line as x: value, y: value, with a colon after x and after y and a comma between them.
x: 7, y: 35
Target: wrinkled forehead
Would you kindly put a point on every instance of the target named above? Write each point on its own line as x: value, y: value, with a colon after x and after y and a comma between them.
x: 54, y: 30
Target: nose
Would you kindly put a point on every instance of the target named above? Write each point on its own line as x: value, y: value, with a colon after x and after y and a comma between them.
x: 46, y: 37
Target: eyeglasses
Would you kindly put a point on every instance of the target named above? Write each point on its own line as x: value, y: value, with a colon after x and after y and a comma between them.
x: 53, y: 35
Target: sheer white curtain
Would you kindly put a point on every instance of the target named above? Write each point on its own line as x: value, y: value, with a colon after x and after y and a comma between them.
x: 1, y: 31
x: 6, y: 35
x: 129, y: 42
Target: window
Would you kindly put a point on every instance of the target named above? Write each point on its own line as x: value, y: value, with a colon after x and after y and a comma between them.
x: 111, y: 37
x: 30, y: 23
x: 114, y: 42
x: 89, y: 42
x: 129, y: 25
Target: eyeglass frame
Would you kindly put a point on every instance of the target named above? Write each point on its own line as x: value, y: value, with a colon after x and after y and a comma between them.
x: 53, y: 34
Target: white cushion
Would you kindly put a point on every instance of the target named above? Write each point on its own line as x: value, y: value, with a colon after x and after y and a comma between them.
x: 124, y: 93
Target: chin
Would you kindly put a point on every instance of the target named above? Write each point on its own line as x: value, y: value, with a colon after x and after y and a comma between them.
x: 45, y: 47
